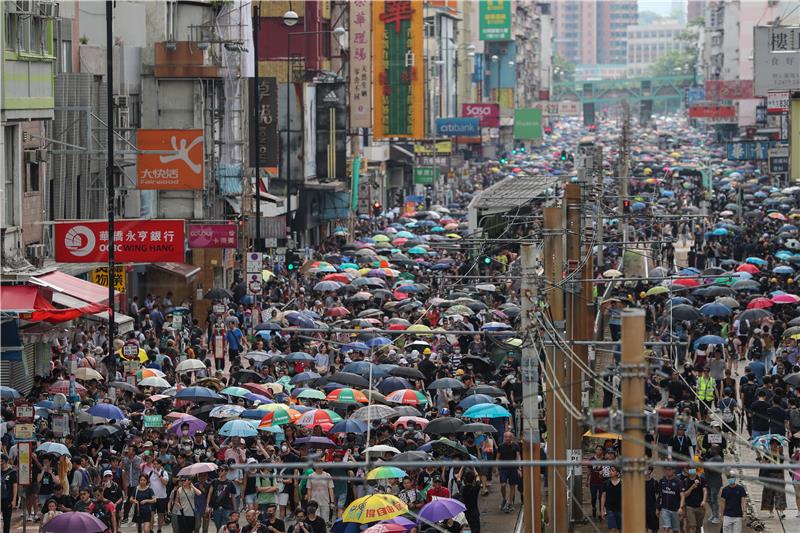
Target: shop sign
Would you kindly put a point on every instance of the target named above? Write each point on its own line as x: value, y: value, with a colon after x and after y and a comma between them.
x: 360, y: 36
x: 711, y: 111
x: 776, y: 58
x: 778, y: 101
x: 728, y: 90
x: 779, y: 160
x: 488, y: 115
x: 212, y: 235
x: 135, y: 241
x: 749, y: 150
x: 424, y: 175
x: 170, y: 159
x: 153, y: 421
x: 458, y: 126
x: 100, y: 277
x: 528, y: 124
x: 24, y: 431
x: 265, y: 101
x: 398, y: 64
x: 495, y: 20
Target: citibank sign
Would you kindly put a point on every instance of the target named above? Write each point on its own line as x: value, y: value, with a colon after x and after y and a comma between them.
x: 453, y: 127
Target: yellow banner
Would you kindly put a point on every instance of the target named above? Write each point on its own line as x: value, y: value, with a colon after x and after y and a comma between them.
x: 442, y: 148
x: 398, y: 69
x: 100, y: 276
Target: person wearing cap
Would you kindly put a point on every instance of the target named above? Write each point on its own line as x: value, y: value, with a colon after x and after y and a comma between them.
x: 113, y: 493
x: 669, y: 501
x: 693, y: 500
x: 221, y: 497
x: 733, y: 502
x: 438, y: 490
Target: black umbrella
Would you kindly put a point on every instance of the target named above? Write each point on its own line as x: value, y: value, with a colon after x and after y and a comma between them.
x: 753, y: 315
x: 716, y: 291
x: 795, y: 321
x: 202, y: 411
x: 449, y: 448
x: 488, y: 390
x: 103, y: 431
x: 746, y: 285
x: 792, y: 379
x: 414, y: 455
x: 407, y: 410
x: 247, y: 376
x: 268, y: 326
x: 218, y: 294
x: 444, y: 426
x: 478, y: 427
x: 348, y: 378
x: 479, y: 364
x: 390, y: 384
x: 122, y: 385
x: 685, y: 312
x: 407, y: 372
x: 445, y: 383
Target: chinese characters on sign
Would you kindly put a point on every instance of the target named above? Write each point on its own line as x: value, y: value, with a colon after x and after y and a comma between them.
x: 212, y: 235
x: 170, y: 159
x: 495, y: 20
x: 713, y: 112
x: 266, y: 103
x: 776, y: 61
x: 100, y: 277
x: 398, y: 64
x: 360, y: 64
x: 728, y: 89
x: 135, y: 241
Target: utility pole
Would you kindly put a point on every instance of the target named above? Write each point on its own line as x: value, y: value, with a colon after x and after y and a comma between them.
x: 531, y: 439
x: 623, y: 168
x: 576, y: 321
x: 110, y: 188
x: 255, y: 97
x: 557, y: 504
x: 633, y: 373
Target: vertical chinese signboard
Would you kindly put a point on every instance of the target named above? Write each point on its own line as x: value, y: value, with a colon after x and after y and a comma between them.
x: 495, y: 20
x: 170, y: 159
x: 776, y: 62
x: 398, y: 69
x: 265, y: 101
x: 100, y: 277
x: 360, y: 64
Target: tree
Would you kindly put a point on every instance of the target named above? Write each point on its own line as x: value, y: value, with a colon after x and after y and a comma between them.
x: 563, y: 69
x: 682, y: 61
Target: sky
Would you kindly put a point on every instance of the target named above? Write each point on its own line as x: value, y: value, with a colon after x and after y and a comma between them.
x: 661, y: 7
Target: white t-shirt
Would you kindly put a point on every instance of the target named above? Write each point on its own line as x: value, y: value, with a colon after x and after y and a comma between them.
x: 159, y: 488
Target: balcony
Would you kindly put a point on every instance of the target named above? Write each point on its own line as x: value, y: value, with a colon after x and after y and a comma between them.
x: 183, y: 60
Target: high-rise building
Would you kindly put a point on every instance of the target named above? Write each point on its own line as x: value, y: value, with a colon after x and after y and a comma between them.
x: 593, y: 32
x: 695, y: 9
x: 647, y: 42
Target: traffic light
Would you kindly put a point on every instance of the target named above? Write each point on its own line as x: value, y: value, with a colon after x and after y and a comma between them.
x: 503, y: 161
x: 626, y: 206
x: 487, y: 260
x: 563, y: 155
x: 522, y: 149
x: 293, y: 261
x: 376, y: 208
x: 514, y: 151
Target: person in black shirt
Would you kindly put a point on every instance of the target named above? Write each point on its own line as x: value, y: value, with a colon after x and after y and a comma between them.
x: 509, y: 476
x: 8, y: 494
x: 693, y: 500
x: 650, y: 501
x: 273, y: 523
x: 611, y: 501
x: 733, y: 499
x: 64, y: 502
x: 253, y: 525
x: 314, y: 521
x: 469, y: 497
x: 760, y: 417
x: 778, y: 417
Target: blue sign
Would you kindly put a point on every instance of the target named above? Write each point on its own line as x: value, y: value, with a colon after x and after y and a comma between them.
x: 750, y: 150
x: 461, y: 126
x: 695, y: 94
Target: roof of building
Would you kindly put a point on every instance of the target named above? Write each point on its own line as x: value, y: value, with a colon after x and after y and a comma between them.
x: 513, y: 192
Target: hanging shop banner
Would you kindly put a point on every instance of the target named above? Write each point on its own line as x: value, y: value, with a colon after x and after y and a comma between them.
x: 360, y: 64
x: 459, y: 126
x: 778, y: 101
x: 135, y: 241
x: 711, y: 111
x: 488, y: 115
x: 331, y: 131
x: 170, y: 159
x: 212, y: 235
x: 100, y: 277
x: 398, y: 69
x: 495, y: 20
x: 427, y: 147
x: 527, y: 124
x: 776, y: 58
x: 265, y: 103
x: 728, y: 90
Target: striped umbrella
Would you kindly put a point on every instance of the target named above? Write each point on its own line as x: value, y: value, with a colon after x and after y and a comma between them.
x: 407, y: 397
x: 347, y: 395
x: 317, y: 417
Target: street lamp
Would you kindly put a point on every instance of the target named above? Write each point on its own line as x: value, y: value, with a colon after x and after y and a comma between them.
x: 290, y: 18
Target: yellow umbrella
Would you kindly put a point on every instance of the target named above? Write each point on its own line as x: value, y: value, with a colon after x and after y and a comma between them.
x: 454, y: 236
x: 658, y: 289
x: 373, y: 508
x: 602, y: 435
x: 380, y: 238
x: 267, y: 274
x: 418, y: 328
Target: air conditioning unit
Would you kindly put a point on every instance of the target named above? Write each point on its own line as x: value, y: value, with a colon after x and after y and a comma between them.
x: 35, y: 253
x: 48, y: 9
x: 121, y: 100
x: 30, y: 156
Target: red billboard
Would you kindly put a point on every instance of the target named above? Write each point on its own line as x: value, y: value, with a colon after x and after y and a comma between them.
x: 712, y: 111
x: 170, y: 159
x: 212, y: 235
x: 488, y: 115
x: 135, y: 241
x: 729, y: 89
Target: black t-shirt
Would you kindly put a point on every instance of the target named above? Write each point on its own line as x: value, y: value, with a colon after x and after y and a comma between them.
x: 670, y: 493
x: 7, y: 480
x: 508, y: 452
x: 222, y: 492
x: 777, y: 418
x: 759, y: 409
x: 613, y: 496
x: 113, y: 493
x: 47, y: 484
x: 694, y: 498
x: 65, y: 501
x: 317, y: 525
x: 733, y: 500
x: 277, y: 523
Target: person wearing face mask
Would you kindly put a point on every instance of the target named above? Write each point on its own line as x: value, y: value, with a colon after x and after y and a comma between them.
x: 112, y: 492
x: 733, y: 502
x: 693, y: 501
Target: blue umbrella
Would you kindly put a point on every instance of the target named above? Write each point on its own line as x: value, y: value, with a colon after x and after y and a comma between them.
x: 679, y: 300
x: 755, y: 261
x: 303, y: 377
x: 689, y: 271
x: 46, y: 404
x: 354, y: 347
x: 638, y: 206
x: 106, y: 410
x: 198, y: 394
x: 783, y: 255
x: 391, y: 384
x: 715, y: 309
x: 348, y: 425
x: 719, y: 232
x: 378, y: 341
x: 252, y: 414
x: 362, y: 368
x: 253, y: 397
x: 56, y: 448
x: 485, y: 410
x: 330, y: 285
x: 328, y: 387
x: 300, y: 357
x: 783, y: 270
x: 7, y: 393
x: 494, y: 326
x: 238, y: 428
x: 475, y: 399
x: 709, y: 339
x: 297, y: 319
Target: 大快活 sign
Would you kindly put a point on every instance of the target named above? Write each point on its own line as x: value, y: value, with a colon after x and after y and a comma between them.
x: 135, y: 241
x: 170, y: 159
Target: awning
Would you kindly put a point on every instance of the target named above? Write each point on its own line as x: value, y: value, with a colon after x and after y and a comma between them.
x: 28, y: 303
x: 124, y: 322
x: 72, y: 286
x: 21, y: 299
x: 184, y: 270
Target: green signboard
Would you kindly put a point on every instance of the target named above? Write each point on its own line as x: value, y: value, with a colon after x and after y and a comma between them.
x: 528, y: 124
x: 495, y: 20
x: 153, y: 421
x: 424, y: 175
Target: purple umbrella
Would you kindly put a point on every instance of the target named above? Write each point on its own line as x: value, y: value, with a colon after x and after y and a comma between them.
x: 195, y: 425
x: 315, y: 442
x: 68, y: 522
x: 401, y: 521
x: 440, y: 509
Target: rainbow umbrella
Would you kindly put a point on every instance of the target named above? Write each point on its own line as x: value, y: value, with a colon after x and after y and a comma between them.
x: 386, y: 472
x: 275, y: 418
x: 407, y: 397
x: 317, y: 417
x: 374, y: 507
x: 347, y: 395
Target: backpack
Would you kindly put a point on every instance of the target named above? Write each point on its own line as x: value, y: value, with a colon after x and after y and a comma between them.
x: 727, y: 411
x: 101, y: 512
x: 794, y: 419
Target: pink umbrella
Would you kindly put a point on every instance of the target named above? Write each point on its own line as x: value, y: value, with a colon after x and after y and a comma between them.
x: 785, y: 299
x: 197, y: 468
x: 418, y: 420
x: 385, y: 528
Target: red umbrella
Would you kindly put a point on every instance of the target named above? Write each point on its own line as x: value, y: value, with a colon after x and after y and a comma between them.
x: 62, y: 386
x: 777, y: 216
x: 749, y: 268
x: 759, y: 303
x: 687, y: 282
x: 337, y: 311
x: 398, y: 327
x: 338, y: 276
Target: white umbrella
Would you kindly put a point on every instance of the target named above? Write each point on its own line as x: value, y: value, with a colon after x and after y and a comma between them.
x: 190, y: 365
x: 381, y: 448
x: 159, y: 383
x: 85, y: 374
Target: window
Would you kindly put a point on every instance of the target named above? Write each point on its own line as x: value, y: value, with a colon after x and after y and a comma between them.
x: 66, y: 56
x: 32, y: 177
x: 11, y: 29
x: 9, y: 180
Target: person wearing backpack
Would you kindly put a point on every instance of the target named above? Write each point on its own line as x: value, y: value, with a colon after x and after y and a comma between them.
x: 727, y: 408
x: 488, y: 448
x: 104, y: 510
